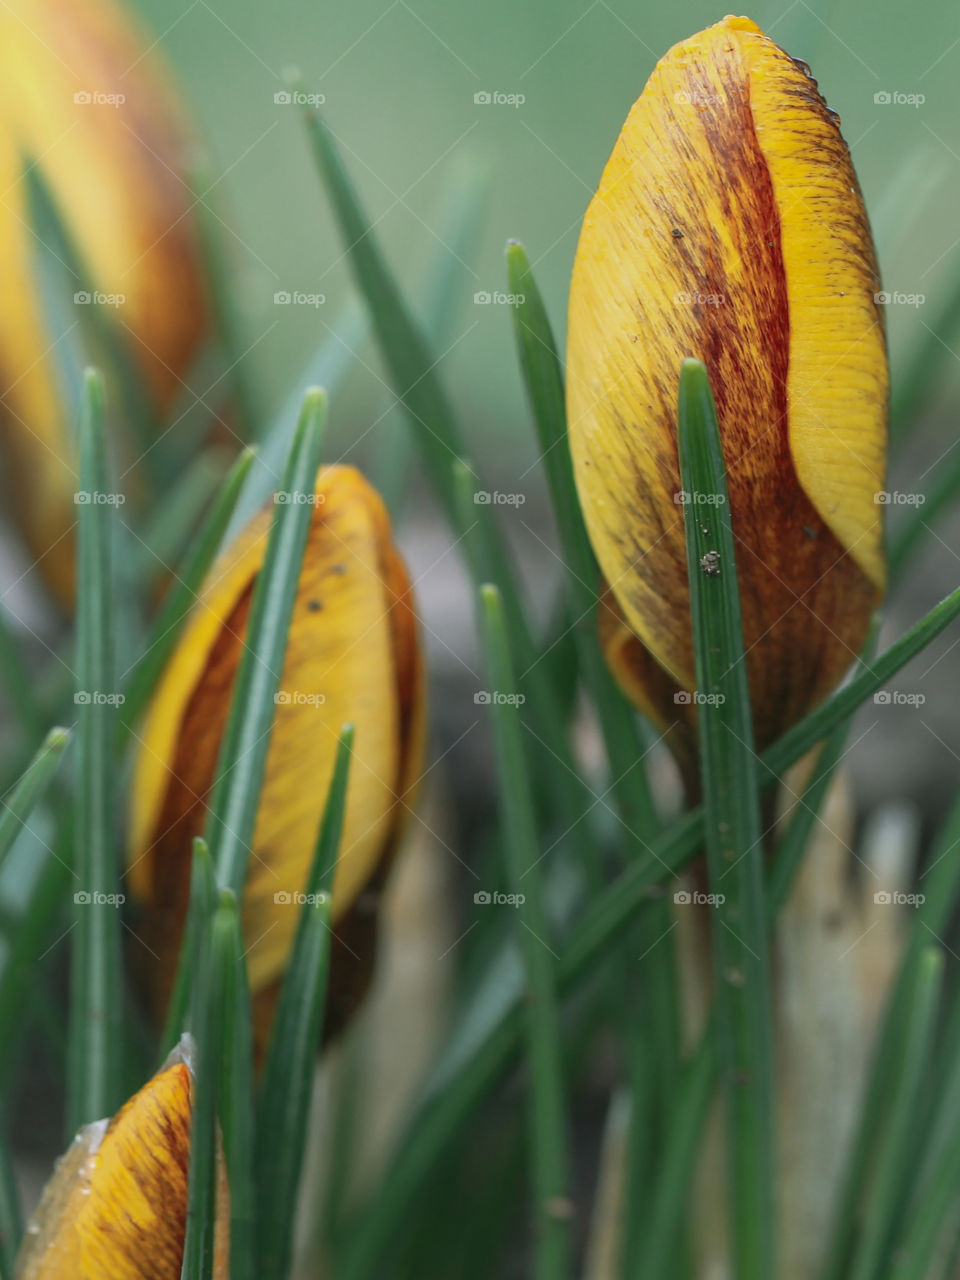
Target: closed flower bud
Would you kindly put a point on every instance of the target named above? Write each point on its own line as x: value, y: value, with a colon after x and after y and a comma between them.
x: 85, y: 103
x: 117, y: 1204
x: 352, y: 657
x: 729, y: 226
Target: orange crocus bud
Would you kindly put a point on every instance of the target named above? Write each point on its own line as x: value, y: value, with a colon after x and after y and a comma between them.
x: 86, y: 103
x: 117, y: 1204
x: 729, y: 226
x: 352, y: 657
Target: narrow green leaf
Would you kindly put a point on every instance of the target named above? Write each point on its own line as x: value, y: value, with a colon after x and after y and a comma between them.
x: 232, y: 810
x: 912, y: 389
x: 941, y: 889
x: 919, y: 520
x: 415, y: 379
x: 243, y: 752
x: 671, y: 1193
x: 96, y: 1016
x: 11, y: 1218
x: 288, y: 1076
x: 183, y: 595
x: 438, y: 1121
x: 170, y: 528
x: 236, y: 1092
x: 18, y: 686
x: 891, y: 1171
x: 213, y: 980
x: 523, y: 855
x: 459, y: 228
x: 544, y: 381
x: 791, y: 850
x: 30, y: 790
x: 70, y: 295
x: 226, y: 309
x: 734, y: 840
x: 543, y: 377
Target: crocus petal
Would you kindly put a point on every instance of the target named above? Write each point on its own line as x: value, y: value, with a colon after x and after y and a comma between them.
x: 112, y: 167
x: 116, y: 1206
x: 728, y: 225
x: 352, y: 656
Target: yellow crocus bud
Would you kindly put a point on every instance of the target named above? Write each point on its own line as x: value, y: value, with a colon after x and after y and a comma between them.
x: 84, y: 100
x: 729, y: 226
x: 117, y: 1204
x: 352, y: 657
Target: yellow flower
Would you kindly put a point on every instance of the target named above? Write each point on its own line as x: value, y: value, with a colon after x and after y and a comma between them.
x: 728, y: 225
x: 116, y: 1207
x: 352, y: 656
x: 83, y: 101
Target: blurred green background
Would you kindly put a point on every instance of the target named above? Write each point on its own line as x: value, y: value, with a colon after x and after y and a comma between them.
x: 399, y: 80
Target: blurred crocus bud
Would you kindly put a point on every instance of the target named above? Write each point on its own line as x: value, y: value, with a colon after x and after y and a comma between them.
x: 729, y: 226
x: 116, y: 1205
x: 85, y: 102
x: 352, y: 657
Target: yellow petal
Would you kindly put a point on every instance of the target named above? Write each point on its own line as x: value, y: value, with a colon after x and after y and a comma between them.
x: 112, y: 167
x: 352, y: 656
x: 728, y: 226
x: 116, y: 1206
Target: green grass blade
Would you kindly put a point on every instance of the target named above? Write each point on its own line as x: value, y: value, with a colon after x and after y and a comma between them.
x: 11, y: 1218
x: 170, y: 528
x: 183, y: 594
x: 203, y: 901
x: 288, y: 1076
x: 891, y: 1171
x: 919, y: 520
x: 416, y: 382
x: 544, y: 381
x: 941, y: 887
x: 17, y: 682
x: 226, y: 309
x: 440, y: 1119
x: 523, y: 855
x: 235, y: 1091
x: 543, y: 377
x: 243, y: 752
x: 407, y: 356
x: 240, y: 766
x: 919, y: 379
x: 791, y: 850
x: 671, y: 1192
x: 30, y: 790
x: 216, y: 961
x: 65, y: 277
x: 734, y: 841
x: 459, y: 229
x: 96, y: 1022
